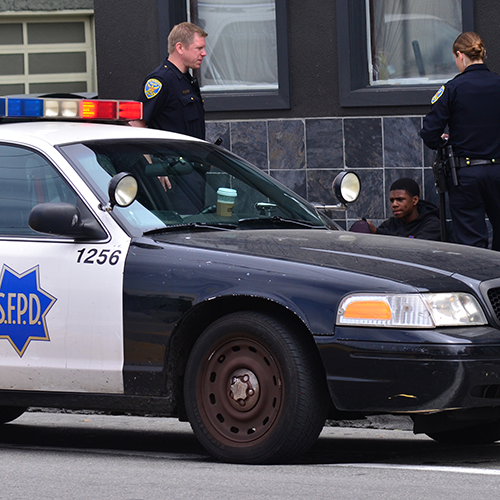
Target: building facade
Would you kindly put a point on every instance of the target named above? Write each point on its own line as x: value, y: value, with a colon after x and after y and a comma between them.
x: 330, y: 85
x: 47, y: 46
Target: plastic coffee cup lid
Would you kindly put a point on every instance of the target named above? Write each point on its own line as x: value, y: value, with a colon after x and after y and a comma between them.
x: 227, y: 192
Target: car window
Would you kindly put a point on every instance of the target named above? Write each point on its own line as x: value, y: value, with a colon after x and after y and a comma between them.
x: 188, y: 182
x: 27, y: 179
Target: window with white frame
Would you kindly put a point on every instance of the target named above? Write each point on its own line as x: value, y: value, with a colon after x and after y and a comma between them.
x: 42, y: 53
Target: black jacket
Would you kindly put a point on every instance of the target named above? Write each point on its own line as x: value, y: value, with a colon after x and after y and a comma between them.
x: 425, y: 227
x: 470, y: 106
x: 172, y: 101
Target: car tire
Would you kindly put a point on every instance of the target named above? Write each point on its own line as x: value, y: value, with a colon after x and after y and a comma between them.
x: 255, y: 391
x: 475, y: 434
x: 9, y: 413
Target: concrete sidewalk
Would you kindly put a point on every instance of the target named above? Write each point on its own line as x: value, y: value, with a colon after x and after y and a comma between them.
x: 389, y: 422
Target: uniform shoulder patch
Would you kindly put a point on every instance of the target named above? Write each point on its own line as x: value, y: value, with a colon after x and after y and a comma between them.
x: 438, y: 94
x: 152, y: 87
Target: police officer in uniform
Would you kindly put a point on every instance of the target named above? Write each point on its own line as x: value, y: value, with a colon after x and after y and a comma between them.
x: 470, y: 106
x: 172, y: 101
x: 170, y: 95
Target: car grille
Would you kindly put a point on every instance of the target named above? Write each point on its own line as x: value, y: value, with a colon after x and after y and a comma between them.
x: 494, y: 297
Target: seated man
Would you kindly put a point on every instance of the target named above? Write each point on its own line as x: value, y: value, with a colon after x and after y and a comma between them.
x: 412, y: 217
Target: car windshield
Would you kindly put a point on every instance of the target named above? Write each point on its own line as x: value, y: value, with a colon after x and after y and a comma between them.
x: 190, y: 184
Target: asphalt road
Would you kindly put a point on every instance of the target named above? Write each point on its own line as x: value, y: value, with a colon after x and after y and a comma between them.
x: 77, y: 456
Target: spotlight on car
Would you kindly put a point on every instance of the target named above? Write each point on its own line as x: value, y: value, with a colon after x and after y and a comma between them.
x: 346, y: 186
x: 122, y: 190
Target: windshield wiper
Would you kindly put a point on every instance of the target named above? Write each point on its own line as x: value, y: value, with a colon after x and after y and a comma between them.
x: 253, y: 222
x: 276, y: 221
x: 193, y: 225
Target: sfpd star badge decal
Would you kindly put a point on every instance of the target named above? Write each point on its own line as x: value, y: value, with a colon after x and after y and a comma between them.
x: 23, y: 308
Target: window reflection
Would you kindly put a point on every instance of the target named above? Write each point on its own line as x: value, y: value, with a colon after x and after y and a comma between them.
x: 241, y: 46
x: 410, y: 41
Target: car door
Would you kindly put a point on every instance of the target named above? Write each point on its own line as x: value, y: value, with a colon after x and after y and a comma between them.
x: 61, y: 326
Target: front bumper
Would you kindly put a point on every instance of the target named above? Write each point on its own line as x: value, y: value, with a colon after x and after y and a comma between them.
x: 403, y: 371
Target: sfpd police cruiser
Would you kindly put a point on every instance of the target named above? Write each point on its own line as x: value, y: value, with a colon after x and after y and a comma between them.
x: 147, y: 272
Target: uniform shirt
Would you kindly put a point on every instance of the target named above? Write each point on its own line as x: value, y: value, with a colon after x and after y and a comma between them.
x: 172, y: 101
x: 470, y: 106
x: 425, y: 227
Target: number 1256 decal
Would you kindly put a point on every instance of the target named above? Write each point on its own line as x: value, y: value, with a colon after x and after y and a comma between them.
x: 94, y: 256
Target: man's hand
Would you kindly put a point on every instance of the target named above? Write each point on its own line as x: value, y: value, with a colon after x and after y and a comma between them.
x: 373, y: 229
x: 137, y: 123
x: 165, y: 182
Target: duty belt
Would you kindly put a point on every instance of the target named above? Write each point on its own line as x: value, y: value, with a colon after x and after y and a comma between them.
x: 469, y: 162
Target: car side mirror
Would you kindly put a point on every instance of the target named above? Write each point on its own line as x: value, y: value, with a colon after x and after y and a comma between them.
x: 63, y: 219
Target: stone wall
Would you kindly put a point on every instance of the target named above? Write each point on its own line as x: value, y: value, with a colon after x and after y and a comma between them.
x: 307, y: 154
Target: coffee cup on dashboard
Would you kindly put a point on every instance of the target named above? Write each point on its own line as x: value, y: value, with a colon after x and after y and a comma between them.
x: 225, y: 201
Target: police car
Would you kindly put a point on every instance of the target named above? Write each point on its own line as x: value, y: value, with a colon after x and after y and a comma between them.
x: 150, y: 273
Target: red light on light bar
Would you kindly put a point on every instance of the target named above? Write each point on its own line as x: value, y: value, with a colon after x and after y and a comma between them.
x: 103, y: 110
x: 130, y: 110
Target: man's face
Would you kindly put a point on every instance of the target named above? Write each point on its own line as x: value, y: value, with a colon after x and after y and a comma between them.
x: 402, y: 204
x: 193, y: 55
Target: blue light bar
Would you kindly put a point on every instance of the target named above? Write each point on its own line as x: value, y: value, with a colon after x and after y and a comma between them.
x: 2, y: 106
x: 29, y: 108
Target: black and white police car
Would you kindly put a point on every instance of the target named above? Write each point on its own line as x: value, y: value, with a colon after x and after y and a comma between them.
x: 150, y: 273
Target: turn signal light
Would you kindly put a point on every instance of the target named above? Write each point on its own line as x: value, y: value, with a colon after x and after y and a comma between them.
x: 368, y: 309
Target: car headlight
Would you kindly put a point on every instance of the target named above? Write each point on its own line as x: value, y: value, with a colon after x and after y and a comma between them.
x: 426, y: 310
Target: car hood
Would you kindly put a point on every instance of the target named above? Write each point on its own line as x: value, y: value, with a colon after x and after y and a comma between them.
x: 411, y: 261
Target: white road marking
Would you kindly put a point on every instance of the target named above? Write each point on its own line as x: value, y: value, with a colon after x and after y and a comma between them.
x: 430, y: 468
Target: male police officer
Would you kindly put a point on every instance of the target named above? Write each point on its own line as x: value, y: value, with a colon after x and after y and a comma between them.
x: 171, y: 96
x: 172, y: 101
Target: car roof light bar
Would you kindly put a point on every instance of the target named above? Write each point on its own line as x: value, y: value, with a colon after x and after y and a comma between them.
x: 84, y: 109
x: 129, y: 110
x: 103, y: 110
x: 20, y: 108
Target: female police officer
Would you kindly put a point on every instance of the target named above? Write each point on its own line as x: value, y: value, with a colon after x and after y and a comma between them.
x: 470, y: 106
